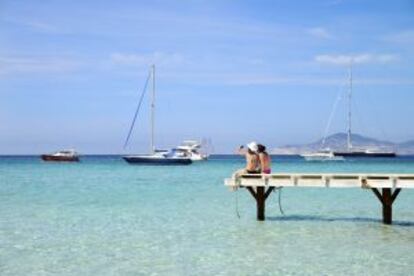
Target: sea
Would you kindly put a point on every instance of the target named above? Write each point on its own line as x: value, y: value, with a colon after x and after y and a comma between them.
x: 102, y: 216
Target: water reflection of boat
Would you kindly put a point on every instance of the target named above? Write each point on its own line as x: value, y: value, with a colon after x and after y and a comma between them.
x: 62, y: 155
x: 155, y: 157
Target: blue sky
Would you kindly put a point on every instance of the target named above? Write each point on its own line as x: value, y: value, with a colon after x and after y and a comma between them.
x: 71, y: 71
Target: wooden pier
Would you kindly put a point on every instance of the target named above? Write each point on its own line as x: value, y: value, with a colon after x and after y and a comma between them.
x: 386, y: 187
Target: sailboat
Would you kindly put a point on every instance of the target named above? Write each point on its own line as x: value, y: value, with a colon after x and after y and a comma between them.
x: 350, y: 150
x: 155, y: 157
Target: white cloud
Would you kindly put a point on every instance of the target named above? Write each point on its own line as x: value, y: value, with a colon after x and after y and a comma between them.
x: 334, y: 2
x: 403, y: 37
x: 159, y: 58
x: 304, y: 80
x: 12, y: 65
x: 356, y: 59
x: 270, y: 79
x: 319, y: 33
x: 34, y: 24
x: 41, y: 26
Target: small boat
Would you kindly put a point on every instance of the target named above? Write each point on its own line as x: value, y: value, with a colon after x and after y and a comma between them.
x: 62, y: 156
x: 155, y: 157
x: 322, y: 155
x: 191, y: 148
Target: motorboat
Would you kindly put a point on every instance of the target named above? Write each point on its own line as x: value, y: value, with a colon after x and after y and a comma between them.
x: 191, y: 148
x: 62, y: 155
x: 322, y: 155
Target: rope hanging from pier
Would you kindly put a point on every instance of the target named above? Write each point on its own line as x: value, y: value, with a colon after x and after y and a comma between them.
x: 237, y: 204
x: 279, y: 199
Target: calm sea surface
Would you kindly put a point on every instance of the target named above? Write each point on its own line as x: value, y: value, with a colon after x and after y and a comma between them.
x: 103, y: 216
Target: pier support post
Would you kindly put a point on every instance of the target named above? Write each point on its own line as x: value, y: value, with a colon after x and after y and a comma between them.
x: 261, y: 203
x: 260, y: 195
x: 387, y: 199
x: 386, y: 206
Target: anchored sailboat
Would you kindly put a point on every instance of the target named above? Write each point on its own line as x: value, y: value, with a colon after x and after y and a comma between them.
x: 352, y: 151
x: 155, y: 157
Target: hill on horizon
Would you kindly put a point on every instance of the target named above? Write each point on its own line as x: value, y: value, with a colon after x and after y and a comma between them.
x: 338, y: 141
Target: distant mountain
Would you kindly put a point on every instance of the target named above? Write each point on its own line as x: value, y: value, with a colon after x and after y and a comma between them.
x: 406, y: 147
x: 338, y: 142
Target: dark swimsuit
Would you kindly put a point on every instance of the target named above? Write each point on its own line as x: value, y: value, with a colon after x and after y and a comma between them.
x: 253, y: 172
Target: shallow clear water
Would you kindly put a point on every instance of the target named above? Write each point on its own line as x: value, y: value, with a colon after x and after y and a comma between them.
x: 105, y: 217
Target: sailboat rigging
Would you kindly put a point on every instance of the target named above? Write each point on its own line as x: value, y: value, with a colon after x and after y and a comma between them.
x: 137, y: 111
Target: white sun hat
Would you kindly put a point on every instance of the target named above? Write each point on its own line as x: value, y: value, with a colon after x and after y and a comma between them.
x: 252, y: 146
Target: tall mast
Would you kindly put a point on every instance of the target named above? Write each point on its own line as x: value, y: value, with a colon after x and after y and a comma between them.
x: 350, y: 107
x: 152, y: 110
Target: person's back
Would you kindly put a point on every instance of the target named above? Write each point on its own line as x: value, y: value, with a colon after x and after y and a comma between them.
x: 252, y: 162
x: 252, y: 159
x: 264, y: 158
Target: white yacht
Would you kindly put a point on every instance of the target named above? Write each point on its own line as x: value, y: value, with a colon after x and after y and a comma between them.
x: 322, y: 155
x: 191, y: 148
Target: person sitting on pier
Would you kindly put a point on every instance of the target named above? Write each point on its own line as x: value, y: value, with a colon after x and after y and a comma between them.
x: 264, y: 158
x: 252, y: 159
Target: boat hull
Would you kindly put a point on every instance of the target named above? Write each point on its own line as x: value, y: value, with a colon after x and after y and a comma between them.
x: 198, y: 158
x: 52, y: 158
x: 323, y: 158
x: 365, y: 154
x: 138, y: 160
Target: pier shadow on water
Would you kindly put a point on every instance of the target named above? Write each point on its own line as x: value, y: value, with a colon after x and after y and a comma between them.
x: 301, y: 218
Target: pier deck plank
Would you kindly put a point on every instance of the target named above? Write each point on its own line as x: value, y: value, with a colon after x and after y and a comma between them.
x: 327, y: 180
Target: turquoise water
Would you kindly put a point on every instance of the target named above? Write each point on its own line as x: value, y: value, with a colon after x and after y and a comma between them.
x: 105, y: 217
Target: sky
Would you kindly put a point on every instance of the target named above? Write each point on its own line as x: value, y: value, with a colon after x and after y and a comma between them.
x: 72, y: 72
